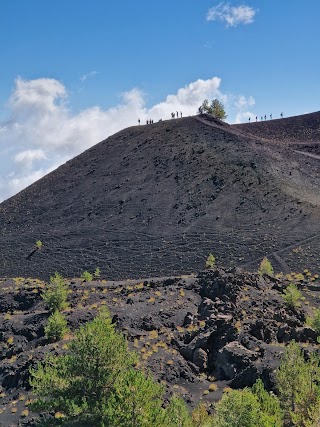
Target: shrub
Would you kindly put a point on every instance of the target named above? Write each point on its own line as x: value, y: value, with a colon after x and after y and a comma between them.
x: 216, y: 109
x: 200, y: 416
x: 298, y: 385
x: 95, y: 384
x: 136, y: 401
x: 87, y: 276
x: 315, y: 322
x: 265, y: 267
x: 292, y: 296
x: 178, y: 414
x: 238, y: 408
x: 96, y: 273
x: 210, y: 261
x: 79, y: 383
x: 56, y: 327
x: 269, y: 404
x: 55, y: 293
x: 39, y: 244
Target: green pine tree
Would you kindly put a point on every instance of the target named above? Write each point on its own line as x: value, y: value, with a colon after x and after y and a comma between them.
x: 135, y: 402
x: 79, y: 383
x: 55, y: 293
x: 298, y: 386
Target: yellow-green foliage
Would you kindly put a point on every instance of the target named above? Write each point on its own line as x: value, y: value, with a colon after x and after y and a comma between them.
x: 210, y: 261
x: 265, y: 267
x: 55, y: 293
x: 39, y: 244
x: 87, y: 276
x: 56, y: 327
x: 292, y: 296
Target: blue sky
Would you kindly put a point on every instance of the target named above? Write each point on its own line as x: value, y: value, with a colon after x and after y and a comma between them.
x: 75, y: 71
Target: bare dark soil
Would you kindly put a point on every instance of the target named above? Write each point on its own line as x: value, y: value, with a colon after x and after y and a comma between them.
x: 222, y: 328
x: 153, y: 201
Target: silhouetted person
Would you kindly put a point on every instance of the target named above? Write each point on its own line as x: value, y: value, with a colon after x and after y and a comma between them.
x: 139, y: 121
x: 249, y: 119
x: 265, y: 117
x: 270, y: 116
x: 172, y: 115
x: 261, y: 118
x: 177, y: 115
x: 281, y: 115
x: 147, y: 122
x: 256, y: 118
x: 181, y: 114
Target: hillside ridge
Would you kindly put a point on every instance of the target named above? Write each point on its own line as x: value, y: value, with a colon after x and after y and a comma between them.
x: 154, y: 200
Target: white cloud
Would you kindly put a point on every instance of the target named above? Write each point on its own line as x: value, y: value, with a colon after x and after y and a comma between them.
x: 27, y: 157
x: 230, y: 15
x: 41, y: 133
x: 242, y: 105
x: 88, y: 75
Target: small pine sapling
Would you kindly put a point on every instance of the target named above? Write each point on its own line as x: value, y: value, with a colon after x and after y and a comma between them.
x: 56, y: 327
x: 87, y: 276
x: 210, y: 261
x: 292, y: 296
x: 265, y: 267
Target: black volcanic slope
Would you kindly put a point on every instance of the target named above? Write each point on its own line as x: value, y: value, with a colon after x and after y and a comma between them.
x: 155, y: 200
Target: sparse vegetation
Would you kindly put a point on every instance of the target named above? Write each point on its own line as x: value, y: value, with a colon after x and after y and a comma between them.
x: 298, y: 385
x: 56, y: 327
x: 315, y: 322
x: 96, y: 383
x: 55, y: 293
x: 96, y: 273
x: 210, y: 261
x: 87, y: 276
x: 242, y: 408
x: 265, y: 267
x: 292, y: 296
x: 39, y: 244
x: 216, y: 109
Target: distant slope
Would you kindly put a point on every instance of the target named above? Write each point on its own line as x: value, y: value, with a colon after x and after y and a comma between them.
x: 304, y: 128
x: 155, y: 200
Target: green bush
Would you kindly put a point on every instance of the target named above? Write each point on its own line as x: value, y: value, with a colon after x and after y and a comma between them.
x: 210, y: 261
x: 269, y: 404
x: 298, y: 385
x: 87, y: 276
x: 95, y: 384
x: 292, y: 296
x: 265, y: 267
x: 315, y: 322
x: 216, y: 109
x: 96, y: 273
x: 80, y: 383
x: 56, y: 327
x: 177, y: 414
x: 55, y: 293
x: 136, y: 401
x: 239, y: 408
x: 201, y: 417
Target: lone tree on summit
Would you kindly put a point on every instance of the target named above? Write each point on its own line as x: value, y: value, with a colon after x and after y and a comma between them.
x: 216, y: 109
